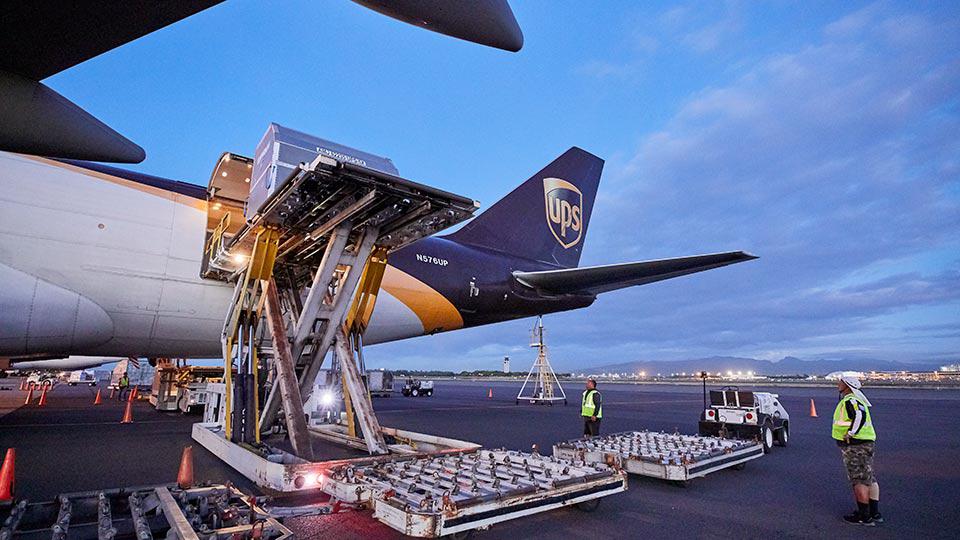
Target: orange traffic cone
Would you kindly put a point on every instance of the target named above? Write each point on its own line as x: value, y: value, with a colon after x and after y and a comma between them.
x: 185, y: 474
x: 112, y: 390
x: 133, y: 394
x: 22, y: 381
x: 489, y: 393
x: 29, y: 395
x: 6, y: 476
x: 97, y: 400
x: 128, y: 413
x: 813, y: 409
x: 43, y: 396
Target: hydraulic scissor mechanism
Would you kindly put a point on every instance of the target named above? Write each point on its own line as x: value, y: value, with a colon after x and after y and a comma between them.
x: 310, y: 264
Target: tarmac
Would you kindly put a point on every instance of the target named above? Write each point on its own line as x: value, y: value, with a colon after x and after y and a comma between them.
x: 795, y: 492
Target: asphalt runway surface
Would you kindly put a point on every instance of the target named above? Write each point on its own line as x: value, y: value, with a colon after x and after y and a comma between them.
x: 796, y: 492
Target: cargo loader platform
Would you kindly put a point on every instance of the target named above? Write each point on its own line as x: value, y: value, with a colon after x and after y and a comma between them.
x: 673, y: 457
x: 429, y: 496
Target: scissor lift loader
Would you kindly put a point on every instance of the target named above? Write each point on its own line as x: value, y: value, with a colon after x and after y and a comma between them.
x: 309, y: 261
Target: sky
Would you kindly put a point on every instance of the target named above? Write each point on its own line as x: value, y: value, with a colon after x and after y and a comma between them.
x: 823, y: 137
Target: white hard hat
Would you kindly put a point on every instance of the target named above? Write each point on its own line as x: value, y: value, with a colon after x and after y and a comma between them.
x: 854, y: 385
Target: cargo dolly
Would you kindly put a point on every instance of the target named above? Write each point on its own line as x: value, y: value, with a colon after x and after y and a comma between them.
x: 673, y: 457
x: 446, y: 494
x: 142, y: 513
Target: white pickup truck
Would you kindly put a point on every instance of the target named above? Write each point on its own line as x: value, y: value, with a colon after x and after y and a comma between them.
x: 746, y: 415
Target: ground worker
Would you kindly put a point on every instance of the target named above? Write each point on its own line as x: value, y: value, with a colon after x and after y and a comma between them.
x: 853, y: 431
x: 123, y: 385
x: 591, y: 409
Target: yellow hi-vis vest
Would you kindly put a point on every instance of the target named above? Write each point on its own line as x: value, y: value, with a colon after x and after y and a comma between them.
x: 842, y: 423
x: 586, y: 405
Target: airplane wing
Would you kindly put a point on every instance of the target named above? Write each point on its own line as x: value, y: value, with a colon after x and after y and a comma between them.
x: 487, y: 22
x: 40, y: 39
x: 601, y: 279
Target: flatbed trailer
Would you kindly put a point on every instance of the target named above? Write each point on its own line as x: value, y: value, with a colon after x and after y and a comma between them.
x: 211, y: 512
x: 673, y: 457
x: 429, y: 496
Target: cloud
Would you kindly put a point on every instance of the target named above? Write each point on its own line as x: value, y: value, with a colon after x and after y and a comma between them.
x: 824, y: 161
x: 836, y: 162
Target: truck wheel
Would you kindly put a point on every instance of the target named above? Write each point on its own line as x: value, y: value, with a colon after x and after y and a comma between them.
x: 782, y: 435
x: 588, y: 506
x: 766, y: 437
x: 415, y: 392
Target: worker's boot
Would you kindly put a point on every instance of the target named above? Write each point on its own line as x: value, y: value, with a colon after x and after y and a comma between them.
x: 875, y: 511
x: 861, y: 516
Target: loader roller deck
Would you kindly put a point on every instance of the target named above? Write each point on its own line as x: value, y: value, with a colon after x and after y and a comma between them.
x: 666, y: 456
x: 435, y: 495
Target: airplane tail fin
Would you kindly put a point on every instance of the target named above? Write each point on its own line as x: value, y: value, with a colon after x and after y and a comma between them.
x: 544, y: 219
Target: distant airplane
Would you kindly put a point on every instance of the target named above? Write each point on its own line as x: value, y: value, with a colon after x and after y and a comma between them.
x: 71, y: 363
x: 104, y: 262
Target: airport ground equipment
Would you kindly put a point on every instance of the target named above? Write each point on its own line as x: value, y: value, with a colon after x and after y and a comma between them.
x: 417, y: 388
x: 308, y: 260
x: 543, y: 382
x: 445, y: 494
x: 746, y: 415
x: 81, y: 376
x: 380, y: 383
x: 211, y: 513
x: 666, y: 456
x: 181, y: 387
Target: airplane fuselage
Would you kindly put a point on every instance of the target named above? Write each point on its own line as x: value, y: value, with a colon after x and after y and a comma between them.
x: 97, y: 264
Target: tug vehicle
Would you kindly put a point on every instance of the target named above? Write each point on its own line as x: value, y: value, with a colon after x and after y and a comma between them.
x: 416, y: 388
x: 744, y: 414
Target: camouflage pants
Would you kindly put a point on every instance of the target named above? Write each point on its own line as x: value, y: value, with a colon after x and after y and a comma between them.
x: 858, y: 460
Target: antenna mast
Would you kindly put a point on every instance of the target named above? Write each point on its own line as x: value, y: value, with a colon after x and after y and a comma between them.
x: 543, y: 381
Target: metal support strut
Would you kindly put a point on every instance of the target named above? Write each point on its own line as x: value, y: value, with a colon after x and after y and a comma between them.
x: 311, y: 261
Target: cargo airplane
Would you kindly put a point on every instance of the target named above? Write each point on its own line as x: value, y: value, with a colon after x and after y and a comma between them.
x: 100, y: 263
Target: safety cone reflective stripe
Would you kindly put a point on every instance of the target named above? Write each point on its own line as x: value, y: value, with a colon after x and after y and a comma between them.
x: 97, y: 400
x: 813, y: 409
x: 128, y: 413
x: 43, y: 397
x: 29, y: 395
x: 7, y: 475
x: 185, y: 474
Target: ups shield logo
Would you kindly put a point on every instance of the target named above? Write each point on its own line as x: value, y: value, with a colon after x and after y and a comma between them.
x: 564, y: 206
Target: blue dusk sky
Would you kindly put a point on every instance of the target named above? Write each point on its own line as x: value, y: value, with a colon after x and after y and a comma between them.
x: 822, y: 136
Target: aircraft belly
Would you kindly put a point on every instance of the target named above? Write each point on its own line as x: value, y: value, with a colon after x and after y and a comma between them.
x: 37, y: 317
x: 391, y: 320
x: 130, y: 251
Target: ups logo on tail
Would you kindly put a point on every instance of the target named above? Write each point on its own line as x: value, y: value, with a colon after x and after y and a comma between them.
x: 564, y: 206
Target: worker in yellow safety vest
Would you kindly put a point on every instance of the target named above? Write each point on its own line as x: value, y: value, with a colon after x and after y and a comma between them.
x: 591, y: 409
x: 853, y: 431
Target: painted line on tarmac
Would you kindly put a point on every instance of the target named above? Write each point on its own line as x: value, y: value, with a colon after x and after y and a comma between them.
x: 61, y: 424
x: 515, y: 405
